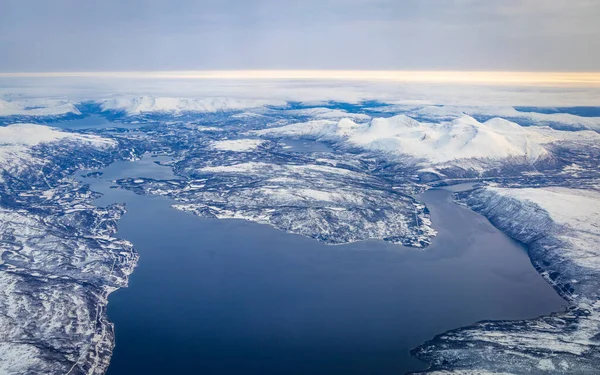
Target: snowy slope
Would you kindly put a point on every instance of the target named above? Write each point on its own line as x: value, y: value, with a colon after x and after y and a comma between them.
x: 561, y: 227
x: 17, y: 140
x: 446, y: 112
x: 148, y: 104
x: 37, y: 108
x: 32, y: 134
x: 592, y: 123
x: 462, y: 138
x: 237, y: 145
x: 577, y: 211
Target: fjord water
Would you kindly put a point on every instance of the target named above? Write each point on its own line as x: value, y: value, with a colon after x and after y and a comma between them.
x: 234, y: 297
x: 88, y: 122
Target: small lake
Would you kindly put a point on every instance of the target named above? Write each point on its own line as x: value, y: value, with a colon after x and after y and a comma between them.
x: 234, y: 297
x: 93, y: 121
x: 305, y: 146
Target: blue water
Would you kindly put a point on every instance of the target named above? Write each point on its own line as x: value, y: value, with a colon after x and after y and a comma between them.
x: 93, y: 121
x: 234, y: 297
x: 305, y: 146
x: 578, y: 111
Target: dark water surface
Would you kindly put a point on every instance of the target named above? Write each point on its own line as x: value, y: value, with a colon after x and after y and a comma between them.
x: 89, y: 122
x: 93, y: 122
x: 234, y: 297
x: 305, y: 146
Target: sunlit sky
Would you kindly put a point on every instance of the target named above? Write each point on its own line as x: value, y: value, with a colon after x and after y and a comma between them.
x: 474, y: 77
x: 422, y: 35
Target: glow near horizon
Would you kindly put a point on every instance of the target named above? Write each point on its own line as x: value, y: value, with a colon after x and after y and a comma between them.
x: 455, y: 77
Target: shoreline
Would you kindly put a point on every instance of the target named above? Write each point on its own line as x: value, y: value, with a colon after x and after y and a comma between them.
x: 443, y: 351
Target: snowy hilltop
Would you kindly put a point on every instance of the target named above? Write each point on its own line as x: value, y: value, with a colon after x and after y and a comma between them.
x: 437, y: 143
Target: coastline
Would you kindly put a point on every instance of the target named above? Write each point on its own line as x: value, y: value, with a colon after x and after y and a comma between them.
x: 571, y: 331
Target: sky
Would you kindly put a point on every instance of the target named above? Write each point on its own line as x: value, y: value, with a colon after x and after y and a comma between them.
x: 145, y: 35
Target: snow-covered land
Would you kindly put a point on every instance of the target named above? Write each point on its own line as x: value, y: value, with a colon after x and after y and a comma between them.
x: 18, y: 140
x: 58, y: 259
x: 149, y: 104
x: 437, y: 143
x: 37, y: 107
x: 577, y: 212
x: 328, y: 203
x: 239, y: 145
x: 446, y: 113
x: 561, y: 226
x: 31, y: 135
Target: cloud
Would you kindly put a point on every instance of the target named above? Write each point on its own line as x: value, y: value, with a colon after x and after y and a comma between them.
x: 39, y: 35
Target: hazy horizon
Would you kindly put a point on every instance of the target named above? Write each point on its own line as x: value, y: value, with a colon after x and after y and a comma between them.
x: 402, y: 76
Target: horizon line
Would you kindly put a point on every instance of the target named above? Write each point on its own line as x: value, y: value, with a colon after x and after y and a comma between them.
x: 500, y: 77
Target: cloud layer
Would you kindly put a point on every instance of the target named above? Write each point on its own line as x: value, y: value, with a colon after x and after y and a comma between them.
x: 532, y: 35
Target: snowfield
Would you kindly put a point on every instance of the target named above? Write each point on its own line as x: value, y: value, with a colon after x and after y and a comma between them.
x: 37, y: 107
x: 237, y: 145
x: 32, y: 134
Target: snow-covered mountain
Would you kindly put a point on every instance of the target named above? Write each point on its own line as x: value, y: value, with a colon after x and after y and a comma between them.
x: 37, y: 107
x: 445, y: 112
x: 148, y: 104
x: 462, y: 138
